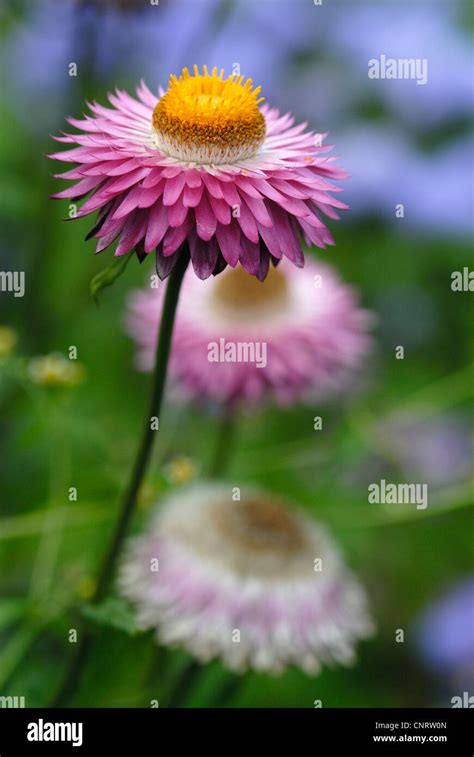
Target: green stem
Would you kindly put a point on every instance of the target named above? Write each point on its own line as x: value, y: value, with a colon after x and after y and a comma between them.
x: 186, y: 683
x: 225, y: 442
x: 226, y: 693
x: 140, y: 466
x: 224, y: 446
x: 55, y: 516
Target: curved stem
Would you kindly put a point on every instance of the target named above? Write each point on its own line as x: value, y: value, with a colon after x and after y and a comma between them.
x: 138, y: 471
x: 144, y: 452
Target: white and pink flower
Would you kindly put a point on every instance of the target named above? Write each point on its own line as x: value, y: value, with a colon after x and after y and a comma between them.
x: 251, y: 582
x: 301, y: 335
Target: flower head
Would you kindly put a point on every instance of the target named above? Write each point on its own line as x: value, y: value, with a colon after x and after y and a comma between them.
x: 181, y: 470
x: 55, y: 370
x: 252, y: 582
x: 206, y: 164
x: 298, y: 335
x: 445, y: 631
x: 8, y: 340
x: 432, y: 447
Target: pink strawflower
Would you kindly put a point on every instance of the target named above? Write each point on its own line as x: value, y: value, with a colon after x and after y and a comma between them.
x: 298, y: 335
x: 252, y: 582
x: 203, y: 163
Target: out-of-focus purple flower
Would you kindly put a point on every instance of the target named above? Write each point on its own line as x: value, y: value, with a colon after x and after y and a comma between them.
x: 387, y: 171
x: 378, y: 159
x: 103, y: 40
x: 144, y: 41
x: 291, y: 27
x: 36, y: 51
x: 164, y: 38
x: 325, y: 92
x: 446, y: 203
x: 429, y: 30
x: 436, y: 450
x: 445, y: 633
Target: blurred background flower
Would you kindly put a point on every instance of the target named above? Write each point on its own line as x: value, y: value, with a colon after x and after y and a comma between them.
x: 8, y: 339
x: 435, y: 449
x: 247, y: 579
x: 55, y: 370
x: 303, y: 335
x: 445, y: 639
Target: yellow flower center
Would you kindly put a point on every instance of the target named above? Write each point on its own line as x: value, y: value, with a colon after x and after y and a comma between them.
x: 238, y: 295
x: 206, y: 119
x: 260, y: 524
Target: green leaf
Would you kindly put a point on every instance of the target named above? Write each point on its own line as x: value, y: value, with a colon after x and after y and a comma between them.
x: 112, y: 612
x: 14, y: 651
x: 107, y: 277
x: 32, y: 524
x: 11, y: 610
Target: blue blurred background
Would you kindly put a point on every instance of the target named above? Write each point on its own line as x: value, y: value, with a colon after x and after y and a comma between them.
x: 406, y: 146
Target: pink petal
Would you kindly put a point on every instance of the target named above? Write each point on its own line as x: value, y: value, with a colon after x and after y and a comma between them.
x: 249, y: 256
x: 220, y: 209
x: 132, y: 233
x: 173, y: 189
x: 129, y: 203
x: 192, y: 196
x: 153, y: 178
x: 177, y: 214
x: 127, y: 181
x: 289, y: 244
x: 82, y: 187
x: 203, y: 256
x: 205, y: 219
x: 213, y: 186
x: 157, y: 226
x: 193, y: 179
x: 247, y: 222
x: 231, y: 195
x: 229, y: 242
x: 259, y: 211
x: 174, y: 238
x: 149, y: 196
